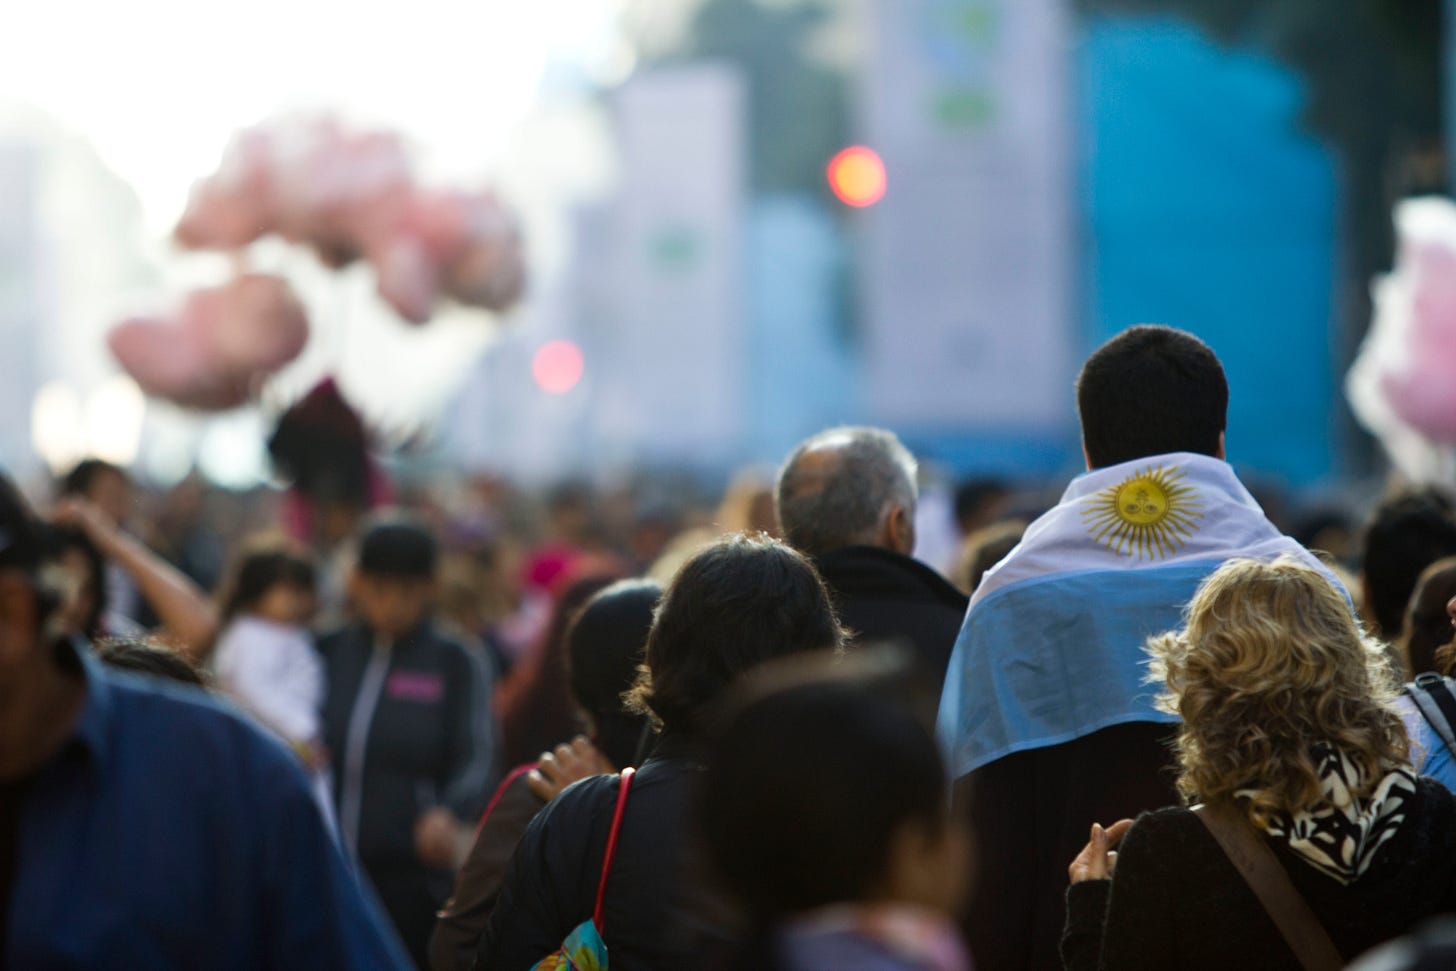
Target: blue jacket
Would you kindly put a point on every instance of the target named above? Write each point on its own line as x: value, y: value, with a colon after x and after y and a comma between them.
x: 170, y: 833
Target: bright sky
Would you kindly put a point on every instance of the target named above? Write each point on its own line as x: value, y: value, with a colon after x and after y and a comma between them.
x: 158, y: 85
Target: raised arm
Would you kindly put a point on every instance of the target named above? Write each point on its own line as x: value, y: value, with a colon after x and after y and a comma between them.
x: 189, y: 619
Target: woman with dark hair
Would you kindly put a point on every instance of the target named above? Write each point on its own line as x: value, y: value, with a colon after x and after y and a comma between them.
x: 735, y: 604
x: 1425, y: 649
x: 605, y: 643
x: 534, y: 701
x: 827, y: 817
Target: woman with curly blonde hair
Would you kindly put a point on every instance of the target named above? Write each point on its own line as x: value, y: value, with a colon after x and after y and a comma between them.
x: 1287, y: 717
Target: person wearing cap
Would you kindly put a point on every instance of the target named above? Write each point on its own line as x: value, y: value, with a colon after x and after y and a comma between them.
x: 141, y: 824
x: 409, y: 726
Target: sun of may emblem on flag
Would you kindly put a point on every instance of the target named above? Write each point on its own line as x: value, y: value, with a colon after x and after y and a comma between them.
x: 1149, y: 515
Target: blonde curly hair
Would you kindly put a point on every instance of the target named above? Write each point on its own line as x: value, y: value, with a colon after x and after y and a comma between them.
x: 1270, y: 663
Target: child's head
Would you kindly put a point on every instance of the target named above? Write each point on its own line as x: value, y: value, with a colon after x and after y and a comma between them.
x: 393, y: 583
x: 273, y: 580
x: 605, y: 644
x: 828, y: 790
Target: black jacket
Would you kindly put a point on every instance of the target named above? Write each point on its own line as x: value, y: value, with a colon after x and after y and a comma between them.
x: 1176, y: 902
x: 428, y: 742
x: 886, y: 596
x: 654, y: 910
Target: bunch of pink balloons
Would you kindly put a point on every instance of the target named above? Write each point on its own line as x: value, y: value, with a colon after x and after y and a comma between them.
x: 1402, y: 385
x: 347, y: 195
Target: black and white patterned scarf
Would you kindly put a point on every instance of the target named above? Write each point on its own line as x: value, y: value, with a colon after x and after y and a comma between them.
x: 1341, y: 837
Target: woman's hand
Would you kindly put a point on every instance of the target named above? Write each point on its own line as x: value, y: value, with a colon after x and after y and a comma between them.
x: 567, y: 764
x: 83, y: 515
x: 439, y: 838
x: 1099, y: 857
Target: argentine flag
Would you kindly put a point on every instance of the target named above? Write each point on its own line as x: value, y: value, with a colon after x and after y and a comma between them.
x: 1052, y: 647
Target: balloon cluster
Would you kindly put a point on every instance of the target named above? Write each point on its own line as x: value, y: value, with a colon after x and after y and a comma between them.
x: 346, y: 195
x: 1402, y: 385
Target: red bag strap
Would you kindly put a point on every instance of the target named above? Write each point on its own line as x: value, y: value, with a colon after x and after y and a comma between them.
x: 622, y: 789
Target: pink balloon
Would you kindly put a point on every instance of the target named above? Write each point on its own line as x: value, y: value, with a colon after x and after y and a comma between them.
x: 219, y: 346
x: 169, y: 362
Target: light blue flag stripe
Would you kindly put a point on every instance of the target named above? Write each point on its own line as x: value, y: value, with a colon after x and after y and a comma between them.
x: 1068, y: 659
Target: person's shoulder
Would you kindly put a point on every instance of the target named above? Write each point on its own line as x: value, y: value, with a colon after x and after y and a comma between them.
x: 1166, y: 826
x: 578, y: 804
x: 191, y: 723
x: 449, y: 646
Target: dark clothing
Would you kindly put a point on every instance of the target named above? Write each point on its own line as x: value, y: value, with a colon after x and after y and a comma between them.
x: 11, y: 796
x: 1177, y: 902
x: 1030, y: 813
x: 477, y: 885
x: 653, y: 920
x: 409, y: 727
x: 169, y: 833
x: 885, y: 596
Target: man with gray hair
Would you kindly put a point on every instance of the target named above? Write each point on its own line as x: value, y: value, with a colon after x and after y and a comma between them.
x: 846, y: 498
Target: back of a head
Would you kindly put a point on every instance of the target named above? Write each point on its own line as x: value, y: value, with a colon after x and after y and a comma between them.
x: 734, y: 604
x: 605, y: 645
x: 1149, y: 391
x: 1427, y: 624
x: 398, y: 547
x: 806, y: 787
x: 834, y: 488
x: 1408, y: 533
x: 21, y: 533
x: 1273, y: 664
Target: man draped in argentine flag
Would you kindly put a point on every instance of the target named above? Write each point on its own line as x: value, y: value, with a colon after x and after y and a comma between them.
x: 1045, y: 718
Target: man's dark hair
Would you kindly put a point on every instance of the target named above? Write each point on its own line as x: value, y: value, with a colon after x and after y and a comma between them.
x: 1149, y: 391
x: 21, y: 534
x: 397, y: 547
x: 784, y: 842
x: 140, y: 657
x: 824, y: 509
x: 1408, y: 533
x: 79, y: 480
x: 732, y: 605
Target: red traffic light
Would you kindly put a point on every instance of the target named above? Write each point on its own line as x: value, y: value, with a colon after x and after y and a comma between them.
x: 857, y: 176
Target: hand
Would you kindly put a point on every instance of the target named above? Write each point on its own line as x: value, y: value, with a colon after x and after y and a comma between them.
x: 78, y: 513
x: 567, y: 764
x: 1099, y: 857
x: 438, y: 837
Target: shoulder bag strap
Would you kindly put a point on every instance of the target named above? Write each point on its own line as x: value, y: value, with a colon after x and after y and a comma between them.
x: 1266, y: 876
x: 1432, y: 696
x: 623, y: 787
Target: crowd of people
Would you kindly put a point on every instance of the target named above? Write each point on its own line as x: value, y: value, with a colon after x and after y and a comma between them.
x: 1139, y: 726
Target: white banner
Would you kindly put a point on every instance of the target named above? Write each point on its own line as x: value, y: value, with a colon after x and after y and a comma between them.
x: 969, y: 317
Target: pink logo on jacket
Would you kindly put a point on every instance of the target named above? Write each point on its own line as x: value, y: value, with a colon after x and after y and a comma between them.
x: 415, y: 686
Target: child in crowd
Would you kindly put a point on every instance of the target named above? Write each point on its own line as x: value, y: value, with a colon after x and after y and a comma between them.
x: 265, y: 658
x: 826, y: 813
